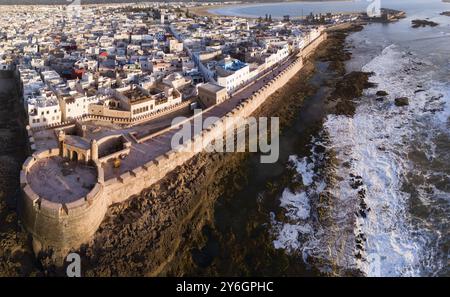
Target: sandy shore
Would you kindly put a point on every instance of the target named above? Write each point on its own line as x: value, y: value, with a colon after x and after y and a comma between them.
x: 205, y: 10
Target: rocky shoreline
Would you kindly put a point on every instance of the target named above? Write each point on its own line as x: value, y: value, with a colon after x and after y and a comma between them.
x: 342, y: 100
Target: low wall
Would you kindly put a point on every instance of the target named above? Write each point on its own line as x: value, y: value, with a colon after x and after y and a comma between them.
x: 309, y: 49
x: 65, y: 226
x: 117, y: 120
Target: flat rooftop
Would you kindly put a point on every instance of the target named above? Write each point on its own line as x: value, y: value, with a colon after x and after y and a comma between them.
x: 212, y: 87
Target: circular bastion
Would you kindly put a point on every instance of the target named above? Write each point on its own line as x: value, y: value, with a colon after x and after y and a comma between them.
x: 62, y: 203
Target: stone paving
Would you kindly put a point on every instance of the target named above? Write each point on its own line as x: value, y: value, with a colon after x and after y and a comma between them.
x: 59, y: 181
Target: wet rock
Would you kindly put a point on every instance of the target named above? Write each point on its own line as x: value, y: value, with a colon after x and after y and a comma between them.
x: 401, y: 101
x: 423, y: 23
x: 362, y: 213
x: 382, y: 93
x: 349, y: 88
x: 362, y: 193
x: 347, y: 164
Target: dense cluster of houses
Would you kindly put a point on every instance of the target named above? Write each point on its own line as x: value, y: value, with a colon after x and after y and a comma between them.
x: 230, y: 52
x: 128, y: 61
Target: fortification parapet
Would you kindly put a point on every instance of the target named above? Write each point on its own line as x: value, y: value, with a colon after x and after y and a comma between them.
x: 61, y: 225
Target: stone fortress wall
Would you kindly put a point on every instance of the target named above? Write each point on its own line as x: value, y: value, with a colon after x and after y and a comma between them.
x: 63, y: 226
x: 60, y: 225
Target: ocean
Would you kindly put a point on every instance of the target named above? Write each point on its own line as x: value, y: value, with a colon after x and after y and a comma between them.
x: 392, y: 161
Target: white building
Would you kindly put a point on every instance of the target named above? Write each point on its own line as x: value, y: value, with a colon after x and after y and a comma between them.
x: 232, y: 74
x: 276, y: 53
x: 43, y: 109
x: 75, y: 105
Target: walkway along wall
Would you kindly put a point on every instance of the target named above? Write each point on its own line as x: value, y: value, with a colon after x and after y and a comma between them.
x: 66, y: 226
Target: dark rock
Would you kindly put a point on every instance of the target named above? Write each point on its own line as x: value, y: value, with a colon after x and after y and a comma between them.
x: 382, y: 93
x: 402, y: 101
x: 348, y: 89
x: 380, y: 99
x: 362, y: 213
x: 423, y: 23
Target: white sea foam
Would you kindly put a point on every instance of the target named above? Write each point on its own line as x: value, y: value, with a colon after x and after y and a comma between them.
x: 297, y: 205
x: 299, y: 235
x: 289, y: 235
x: 305, y: 169
x: 376, y: 139
x: 374, y: 145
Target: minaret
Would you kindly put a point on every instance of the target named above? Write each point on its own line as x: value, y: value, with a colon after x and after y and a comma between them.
x: 61, y: 139
x: 94, y: 150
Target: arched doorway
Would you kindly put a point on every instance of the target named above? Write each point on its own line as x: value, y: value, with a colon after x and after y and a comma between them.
x: 74, y: 156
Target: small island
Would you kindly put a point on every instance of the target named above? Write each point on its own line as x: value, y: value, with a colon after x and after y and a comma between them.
x: 446, y: 13
x: 423, y: 23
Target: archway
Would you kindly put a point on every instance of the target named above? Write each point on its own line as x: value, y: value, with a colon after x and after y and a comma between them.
x: 74, y: 156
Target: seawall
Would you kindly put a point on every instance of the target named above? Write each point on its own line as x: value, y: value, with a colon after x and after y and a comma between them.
x: 63, y: 226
